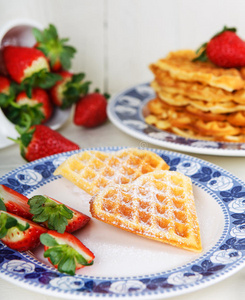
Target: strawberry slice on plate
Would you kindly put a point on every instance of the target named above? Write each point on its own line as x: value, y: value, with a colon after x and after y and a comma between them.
x: 18, y: 233
x: 55, y: 215
x: 14, y: 202
x: 66, y: 252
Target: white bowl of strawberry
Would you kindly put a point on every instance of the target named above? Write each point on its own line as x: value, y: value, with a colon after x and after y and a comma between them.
x: 36, y: 86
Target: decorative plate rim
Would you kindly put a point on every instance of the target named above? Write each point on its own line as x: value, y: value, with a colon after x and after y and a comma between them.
x: 197, y: 274
x: 168, y: 140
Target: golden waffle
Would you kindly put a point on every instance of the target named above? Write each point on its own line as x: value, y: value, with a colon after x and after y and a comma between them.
x: 158, y: 205
x: 217, y: 107
x: 180, y: 66
x: 190, y: 122
x: 94, y: 170
x: 194, y: 90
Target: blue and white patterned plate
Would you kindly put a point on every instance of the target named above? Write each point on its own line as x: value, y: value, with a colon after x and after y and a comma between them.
x: 125, y: 112
x: 127, y: 265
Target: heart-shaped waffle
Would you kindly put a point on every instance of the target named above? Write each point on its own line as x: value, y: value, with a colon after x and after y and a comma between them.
x: 158, y: 205
x: 94, y: 170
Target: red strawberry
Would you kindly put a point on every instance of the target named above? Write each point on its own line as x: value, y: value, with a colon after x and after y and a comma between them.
x: 22, y: 62
x: 41, y: 141
x: 15, y: 202
x: 68, y: 90
x: 55, y: 215
x: 39, y: 96
x: 4, y: 85
x: 66, y: 252
x: 226, y: 49
x: 90, y: 110
x: 7, y: 92
x: 18, y: 233
x: 54, y: 48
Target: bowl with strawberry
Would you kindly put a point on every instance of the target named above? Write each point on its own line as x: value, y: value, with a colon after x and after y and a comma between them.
x: 36, y: 84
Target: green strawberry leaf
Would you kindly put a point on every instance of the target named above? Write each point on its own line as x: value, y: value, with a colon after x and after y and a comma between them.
x: 48, y: 240
x: 233, y: 29
x: 54, y: 48
x: 24, y: 115
x: 63, y: 255
x: 74, y: 89
x: 46, y: 210
x: 43, y: 79
x: 2, y: 205
x: 67, y: 265
x: 7, y: 222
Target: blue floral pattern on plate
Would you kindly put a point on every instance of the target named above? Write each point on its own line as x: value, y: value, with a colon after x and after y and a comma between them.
x: 125, y: 110
x: 227, y: 256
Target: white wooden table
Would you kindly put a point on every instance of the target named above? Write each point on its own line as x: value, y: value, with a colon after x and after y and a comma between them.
x: 108, y: 135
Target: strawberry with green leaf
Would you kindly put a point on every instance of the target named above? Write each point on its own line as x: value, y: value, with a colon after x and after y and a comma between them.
x: 38, y: 96
x: 55, y: 49
x: 55, y: 215
x: 40, y: 141
x: 67, y: 91
x: 66, y: 252
x: 18, y: 233
x: 225, y: 49
x: 28, y: 67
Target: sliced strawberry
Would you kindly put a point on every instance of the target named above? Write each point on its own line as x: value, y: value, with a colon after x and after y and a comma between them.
x: 66, y: 252
x: 55, y: 215
x: 68, y: 90
x: 54, y: 48
x: 39, y: 96
x: 40, y: 141
x: 18, y: 233
x: 15, y: 202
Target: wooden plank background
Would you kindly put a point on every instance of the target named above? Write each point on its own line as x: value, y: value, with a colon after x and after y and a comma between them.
x: 116, y: 40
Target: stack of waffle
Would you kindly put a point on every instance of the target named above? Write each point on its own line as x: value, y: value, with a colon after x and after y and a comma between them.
x: 197, y: 99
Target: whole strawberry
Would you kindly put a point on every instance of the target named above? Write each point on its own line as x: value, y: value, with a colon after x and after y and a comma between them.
x: 40, y: 99
x: 41, y: 141
x: 90, y: 110
x: 226, y: 49
x: 22, y: 62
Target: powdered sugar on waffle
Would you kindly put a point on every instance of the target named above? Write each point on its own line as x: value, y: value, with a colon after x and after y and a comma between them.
x: 159, y: 205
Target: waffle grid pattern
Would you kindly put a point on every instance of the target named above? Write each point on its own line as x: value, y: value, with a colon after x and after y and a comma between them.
x: 158, y: 205
x: 94, y: 170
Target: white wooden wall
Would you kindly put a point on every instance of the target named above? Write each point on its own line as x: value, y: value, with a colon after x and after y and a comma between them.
x: 116, y: 40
